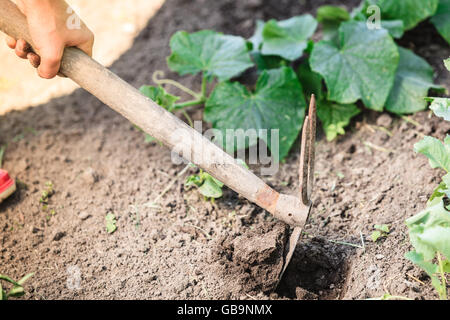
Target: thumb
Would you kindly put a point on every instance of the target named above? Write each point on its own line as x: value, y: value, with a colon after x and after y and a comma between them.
x: 51, y: 56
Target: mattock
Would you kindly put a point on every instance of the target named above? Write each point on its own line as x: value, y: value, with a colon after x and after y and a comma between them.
x: 178, y: 136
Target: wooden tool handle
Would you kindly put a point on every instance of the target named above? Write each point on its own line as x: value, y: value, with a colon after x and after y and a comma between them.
x: 161, y: 124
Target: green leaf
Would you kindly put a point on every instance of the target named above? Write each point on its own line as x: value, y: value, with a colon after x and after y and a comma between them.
x: 25, y: 278
x: 437, y: 194
x: 418, y: 259
x: 8, y: 279
x: 442, y: 19
x: 194, y: 180
x: 214, y: 54
x: 411, y: 12
x: 288, y: 38
x: 413, y: 79
x: 446, y: 265
x: 440, y: 107
x: 261, y: 61
x: 332, y: 13
x: 375, y: 235
x: 429, y: 231
x: 362, y: 66
x: 16, y: 291
x: 210, y: 188
x: 331, y: 18
x: 277, y: 103
x: 311, y: 81
x: 447, y: 64
x: 394, y: 27
x: 111, y: 223
x: 335, y: 117
x: 437, y: 152
x: 2, y: 293
x: 382, y: 227
x: 257, y: 39
x: 160, y: 96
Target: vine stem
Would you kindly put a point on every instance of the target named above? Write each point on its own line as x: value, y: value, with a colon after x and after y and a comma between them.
x: 188, y: 118
x: 204, y: 87
x: 187, y: 104
x: 443, y: 296
x: 156, y: 79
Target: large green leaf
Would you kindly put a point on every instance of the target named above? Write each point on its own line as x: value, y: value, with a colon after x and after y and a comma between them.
x: 212, y: 53
x: 437, y: 152
x: 362, y: 66
x: 413, y: 79
x: 410, y: 11
x: 277, y: 103
x: 335, y: 117
x: 441, y: 107
x: 288, y: 38
x: 442, y: 19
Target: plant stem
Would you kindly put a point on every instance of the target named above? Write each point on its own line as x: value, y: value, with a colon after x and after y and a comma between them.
x: 188, y: 118
x: 174, y: 83
x: 442, y: 295
x: 2, y: 152
x: 187, y: 104
x: 204, y: 88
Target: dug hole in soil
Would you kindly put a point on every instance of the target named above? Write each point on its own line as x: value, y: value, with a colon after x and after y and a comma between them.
x: 187, y: 248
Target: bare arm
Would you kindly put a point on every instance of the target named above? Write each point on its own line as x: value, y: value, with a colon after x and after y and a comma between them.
x: 51, y: 33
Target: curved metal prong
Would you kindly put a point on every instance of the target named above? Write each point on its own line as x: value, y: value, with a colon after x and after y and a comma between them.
x: 307, y: 155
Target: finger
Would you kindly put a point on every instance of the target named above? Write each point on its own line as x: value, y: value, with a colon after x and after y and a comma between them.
x: 22, y: 48
x: 50, y: 61
x: 11, y: 42
x: 34, y: 59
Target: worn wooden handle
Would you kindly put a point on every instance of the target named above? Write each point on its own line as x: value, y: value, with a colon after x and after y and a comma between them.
x: 161, y: 124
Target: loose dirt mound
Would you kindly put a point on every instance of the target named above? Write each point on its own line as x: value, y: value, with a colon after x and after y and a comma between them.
x: 184, y: 247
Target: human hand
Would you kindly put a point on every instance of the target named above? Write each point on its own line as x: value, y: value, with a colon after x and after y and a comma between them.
x: 47, y: 24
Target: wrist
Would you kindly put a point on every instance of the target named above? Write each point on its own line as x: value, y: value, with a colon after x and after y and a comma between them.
x: 30, y: 6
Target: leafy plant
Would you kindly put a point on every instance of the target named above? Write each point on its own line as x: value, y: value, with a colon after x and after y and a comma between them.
x: 429, y: 230
x: 207, y: 185
x: 111, y: 221
x: 17, y: 289
x: 47, y: 193
x: 351, y: 63
x: 380, y: 231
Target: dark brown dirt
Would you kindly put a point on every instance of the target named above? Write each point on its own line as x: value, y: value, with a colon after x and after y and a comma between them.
x: 186, y: 248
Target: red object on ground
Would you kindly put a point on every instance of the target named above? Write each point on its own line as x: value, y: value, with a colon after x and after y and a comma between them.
x: 7, y: 185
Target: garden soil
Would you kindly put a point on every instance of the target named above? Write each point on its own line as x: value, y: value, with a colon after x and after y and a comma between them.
x: 176, y: 245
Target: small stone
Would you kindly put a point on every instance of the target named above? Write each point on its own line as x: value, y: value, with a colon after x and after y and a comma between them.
x: 379, y: 257
x: 21, y: 165
x: 84, y: 215
x: 58, y: 236
x: 89, y: 176
x: 384, y: 120
x: 35, y: 230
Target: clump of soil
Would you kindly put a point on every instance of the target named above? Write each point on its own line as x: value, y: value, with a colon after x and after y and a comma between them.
x: 254, y: 259
x: 183, y: 247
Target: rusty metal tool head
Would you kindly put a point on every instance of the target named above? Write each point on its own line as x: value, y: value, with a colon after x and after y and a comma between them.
x: 306, y: 176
